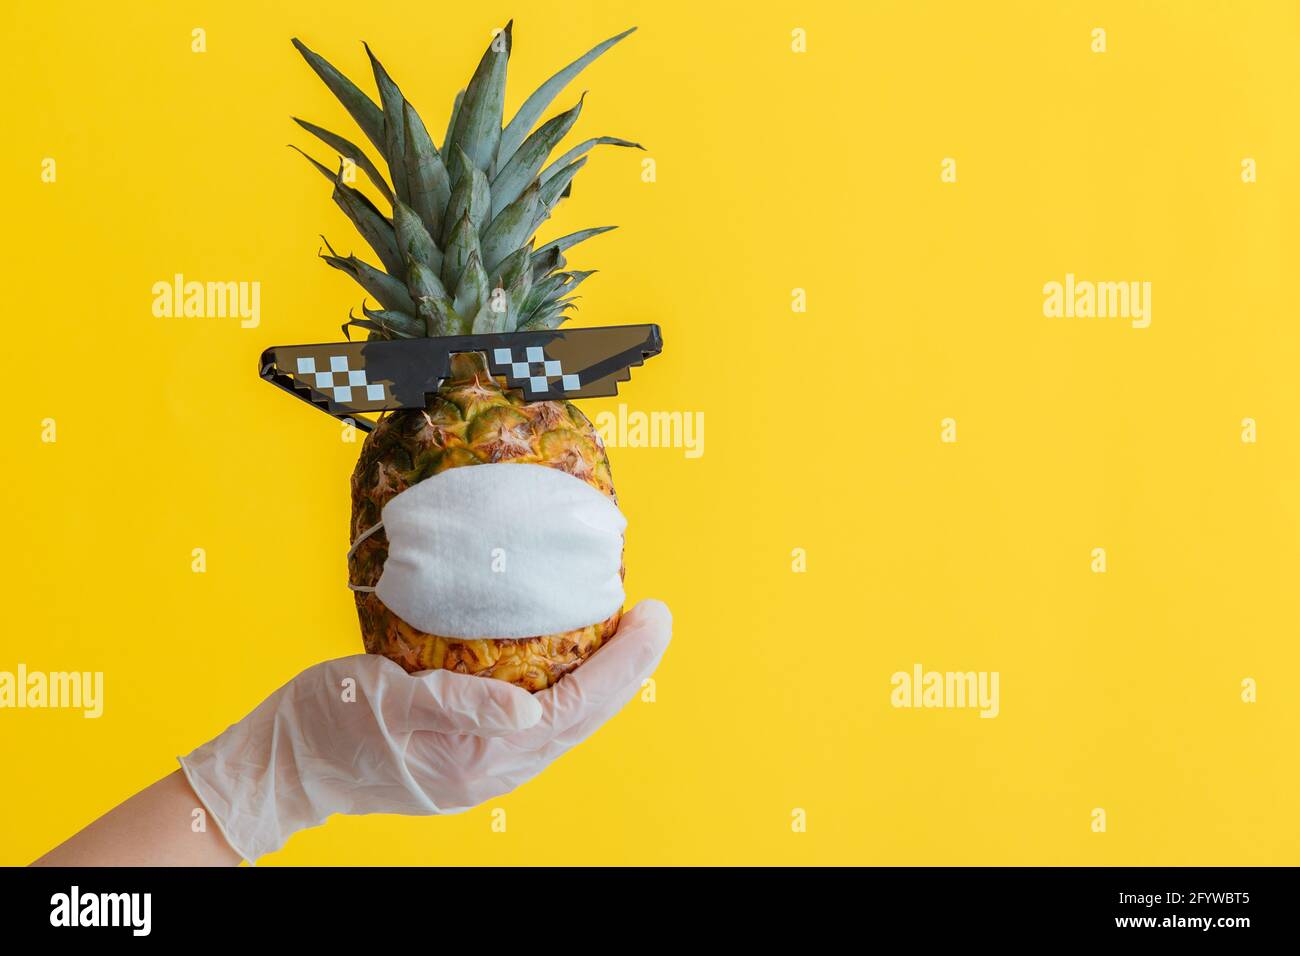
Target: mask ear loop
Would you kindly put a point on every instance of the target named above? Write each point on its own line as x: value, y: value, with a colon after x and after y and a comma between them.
x: 353, y: 550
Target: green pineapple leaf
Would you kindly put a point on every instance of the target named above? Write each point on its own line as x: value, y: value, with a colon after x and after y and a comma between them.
x: 543, y: 319
x: 321, y: 167
x: 511, y: 228
x: 376, y: 330
x: 470, y: 196
x: 512, y: 180
x: 478, y: 122
x: 512, y: 266
x: 451, y: 121
x: 413, y: 239
x: 544, y: 291
x: 545, y: 261
x: 423, y: 281
x: 582, y: 149
x: 389, y: 290
x: 426, y: 175
x: 438, y: 317
x: 557, y: 187
x: 516, y: 294
x: 472, y: 290
x: 387, y: 323
x: 456, y: 253
x: 573, y: 238
x: 349, y: 151
x: 577, y: 277
x: 401, y: 320
x: 493, y: 315
x: 371, y: 223
x: 432, y: 302
x: 361, y: 107
x: 394, y: 106
x: 533, y: 107
x: 464, y: 215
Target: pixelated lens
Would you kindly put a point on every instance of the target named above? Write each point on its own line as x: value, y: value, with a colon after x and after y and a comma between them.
x: 338, y: 379
x: 530, y: 368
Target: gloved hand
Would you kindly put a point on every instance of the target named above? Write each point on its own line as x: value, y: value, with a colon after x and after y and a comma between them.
x: 435, y: 742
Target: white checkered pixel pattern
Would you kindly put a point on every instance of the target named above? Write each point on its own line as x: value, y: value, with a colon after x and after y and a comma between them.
x: 535, y: 370
x: 339, y: 382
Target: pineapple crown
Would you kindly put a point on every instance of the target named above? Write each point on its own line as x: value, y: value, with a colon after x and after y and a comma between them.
x: 458, y: 253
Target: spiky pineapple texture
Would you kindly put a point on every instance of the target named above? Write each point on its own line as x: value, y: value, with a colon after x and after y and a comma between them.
x: 458, y: 252
x: 471, y: 420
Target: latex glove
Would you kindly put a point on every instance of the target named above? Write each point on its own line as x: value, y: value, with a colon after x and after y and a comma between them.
x: 435, y: 742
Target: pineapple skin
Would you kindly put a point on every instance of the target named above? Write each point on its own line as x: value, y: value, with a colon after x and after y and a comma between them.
x: 474, y: 419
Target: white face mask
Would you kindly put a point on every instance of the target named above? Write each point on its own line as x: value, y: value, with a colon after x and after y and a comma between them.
x: 500, y: 551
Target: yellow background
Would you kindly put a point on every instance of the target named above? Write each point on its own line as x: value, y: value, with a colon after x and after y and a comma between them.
x: 774, y: 171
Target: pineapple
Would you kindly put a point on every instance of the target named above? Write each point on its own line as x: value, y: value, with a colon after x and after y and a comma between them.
x: 459, y: 257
